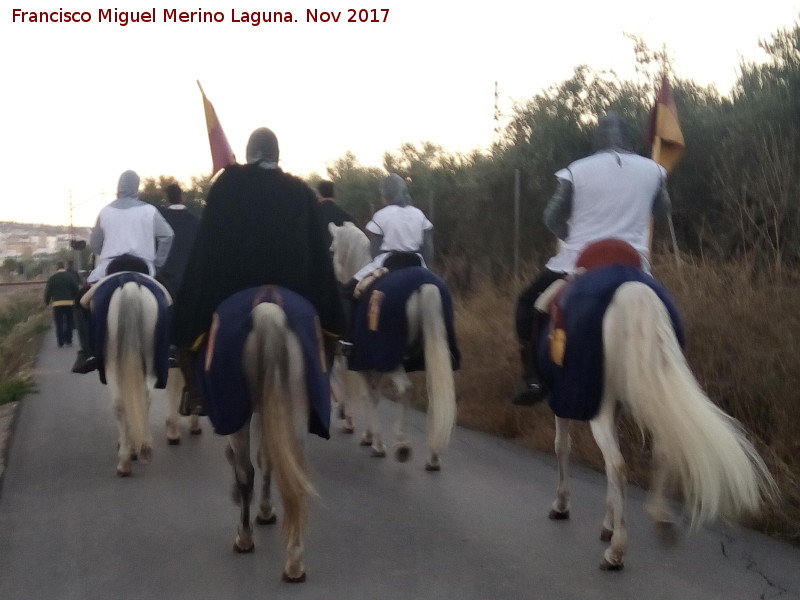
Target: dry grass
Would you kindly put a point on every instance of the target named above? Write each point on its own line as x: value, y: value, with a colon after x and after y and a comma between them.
x: 23, y: 320
x: 742, y: 337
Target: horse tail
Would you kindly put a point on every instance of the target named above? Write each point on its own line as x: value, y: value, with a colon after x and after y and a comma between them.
x: 719, y: 471
x: 438, y: 369
x: 131, y: 362
x: 280, y: 425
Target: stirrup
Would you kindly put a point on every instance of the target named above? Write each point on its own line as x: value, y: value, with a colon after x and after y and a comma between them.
x: 529, y: 393
x: 84, y: 364
x: 345, y: 348
x: 172, y: 359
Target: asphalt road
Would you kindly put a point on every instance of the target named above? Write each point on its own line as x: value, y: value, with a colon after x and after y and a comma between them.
x: 70, y: 529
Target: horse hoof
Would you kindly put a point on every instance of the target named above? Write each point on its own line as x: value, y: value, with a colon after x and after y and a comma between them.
x: 607, y: 566
x: 348, y: 429
x: 289, y: 579
x: 378, y: 453
x: 557, y: 515
x: 197, y: 431
x: 365, y: 442
x: 433, y: 468
x: 173, y: 441
x: 606, y: 535
x: 270, y: 520
x: 247, y: 550
x: 402, y: 454
x: 123, y: 473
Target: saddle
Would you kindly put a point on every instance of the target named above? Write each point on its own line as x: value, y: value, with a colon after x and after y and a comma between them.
x: 219, y: 363
x: 127, y: 262
x: 380, y: 327
x: 97, y: 300
x: 571, y: 353
x: 596, y: 255
x: 394, y: 262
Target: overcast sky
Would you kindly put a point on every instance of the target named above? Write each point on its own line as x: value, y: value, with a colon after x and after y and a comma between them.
x: 83, y: 102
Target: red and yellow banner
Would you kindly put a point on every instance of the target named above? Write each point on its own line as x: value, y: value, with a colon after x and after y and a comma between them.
x: 221, y: 153
x: 665, y: 133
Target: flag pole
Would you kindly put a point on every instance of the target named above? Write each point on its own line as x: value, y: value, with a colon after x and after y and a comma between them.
x: 656, y: 155
x: 674, y: 241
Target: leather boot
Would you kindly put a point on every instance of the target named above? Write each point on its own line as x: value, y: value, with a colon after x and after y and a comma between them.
x: 191, y: 400
x: 85, y: 361
x: 530, y: 390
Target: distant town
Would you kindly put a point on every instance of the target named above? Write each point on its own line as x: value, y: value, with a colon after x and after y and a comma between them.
x: 27, y: 240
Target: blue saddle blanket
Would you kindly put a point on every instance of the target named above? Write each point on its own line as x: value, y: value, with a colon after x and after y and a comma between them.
x: 380, y: 326
x: 225, y: 390
x: 98, y: 321
x: 576, y: 388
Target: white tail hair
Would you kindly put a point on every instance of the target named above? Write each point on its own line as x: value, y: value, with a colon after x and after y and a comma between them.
x: 719, y: 470
x: 438, y: 369
x: 279, y: 437
x: 132, y: 362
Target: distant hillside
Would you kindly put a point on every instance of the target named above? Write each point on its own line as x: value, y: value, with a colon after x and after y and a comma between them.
x: 12, y: 227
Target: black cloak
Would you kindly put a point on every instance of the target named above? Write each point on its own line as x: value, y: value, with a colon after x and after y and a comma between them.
x: 260, y: 227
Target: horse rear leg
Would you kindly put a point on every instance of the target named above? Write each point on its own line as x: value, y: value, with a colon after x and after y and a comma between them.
x: 561, y: 505
x: 656, y: 506
x: 244, y: 476
x: 124, y: 450
x: 343, y: 390
x: 604, y: 429
x: 173, y: 391
x: 373, y: 435
x: 402, y: 388
x: 266, y: 512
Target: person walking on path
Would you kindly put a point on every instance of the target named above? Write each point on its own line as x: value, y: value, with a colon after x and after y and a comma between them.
x: 60, y: 292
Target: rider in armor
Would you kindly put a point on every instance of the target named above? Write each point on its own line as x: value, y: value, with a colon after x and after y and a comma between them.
x: 260, y: 226
x: 613, y: 193
x: 129, y: 228
x: 400, y: 236
x: 397, y: 228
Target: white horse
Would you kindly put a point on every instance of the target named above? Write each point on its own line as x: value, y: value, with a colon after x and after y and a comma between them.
x: 274, y: 367
x: 130, y: 366
x: 718, y: 470
x: 350, y: 249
